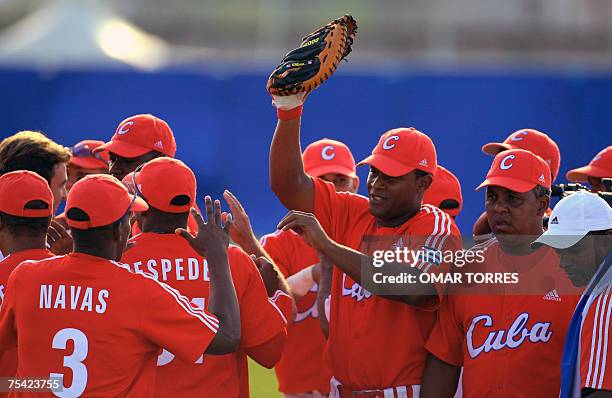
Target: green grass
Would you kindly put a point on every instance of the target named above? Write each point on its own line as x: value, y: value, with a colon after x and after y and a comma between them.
x: 262, y: 382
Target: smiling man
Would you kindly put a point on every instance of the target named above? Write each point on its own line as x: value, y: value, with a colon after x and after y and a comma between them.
x: 507, y: 337
x: 364, y: 327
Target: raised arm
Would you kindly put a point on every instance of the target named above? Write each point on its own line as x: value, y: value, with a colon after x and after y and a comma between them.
x: 288, y: 180
x: 212, y: 242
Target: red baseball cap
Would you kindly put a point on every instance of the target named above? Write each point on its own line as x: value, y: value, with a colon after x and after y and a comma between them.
x: 518, y: 170
x: 401, y: 150
x: 531, y: 140
x: 328, y: 156
x: 103, y: 198
x: 600, y: 167
x: 445, y: 185
x: 163, y: 179
x: 83, y: 155
x: 141, y: 134
x: 18, y: 188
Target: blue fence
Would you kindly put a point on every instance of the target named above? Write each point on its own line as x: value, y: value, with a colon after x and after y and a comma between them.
x: 223, y: 126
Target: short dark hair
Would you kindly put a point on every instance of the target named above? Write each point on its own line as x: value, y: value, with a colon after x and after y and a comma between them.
x: 540, y: 191
x: 89, y: 235
x: 27, y: 226
x: 33, y: 151
x: 420, y: 173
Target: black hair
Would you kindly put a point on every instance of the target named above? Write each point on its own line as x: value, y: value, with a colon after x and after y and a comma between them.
x: 420, y: 173
x: 86, y: 236
x: 27, y: 226
x: 540, y: 191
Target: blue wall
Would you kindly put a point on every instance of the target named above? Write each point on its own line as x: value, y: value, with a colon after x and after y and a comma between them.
x: 223, y: 126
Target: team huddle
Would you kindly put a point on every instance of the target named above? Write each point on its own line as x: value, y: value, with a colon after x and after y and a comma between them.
x: 132, y: 292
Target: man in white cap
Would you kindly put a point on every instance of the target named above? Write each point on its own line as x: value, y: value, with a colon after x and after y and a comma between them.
x: 580, y: 231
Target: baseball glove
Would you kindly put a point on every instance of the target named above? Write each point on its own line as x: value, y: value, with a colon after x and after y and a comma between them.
x: 308, y: 66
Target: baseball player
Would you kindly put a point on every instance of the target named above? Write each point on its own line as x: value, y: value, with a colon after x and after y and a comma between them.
x: 582, y: 237
x: 159, y: 252
x: 364, y: 327
x: 530, y: 140
x: 508, y: 334
x: 30, y: 150
x: 600, y: 167
x: 84, y: 161
x: 445, y: 192
x: 90, y: 322
x: 137, y: 140
x: 26, y: 206
x: 299, y: 372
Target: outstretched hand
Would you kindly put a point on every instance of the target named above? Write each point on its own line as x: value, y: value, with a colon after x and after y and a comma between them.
x: 241, y: 231
x: 213, y: 237
x: 307, y: 226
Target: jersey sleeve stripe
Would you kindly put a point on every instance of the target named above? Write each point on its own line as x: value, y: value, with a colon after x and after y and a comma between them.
x: 604, y: 307
x: 593, y: 342
x: 602, y: 372
x: 442, y: 229
x: 210, y: 321
x: 273, y: 304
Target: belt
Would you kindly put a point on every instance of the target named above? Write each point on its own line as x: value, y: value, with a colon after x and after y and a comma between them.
x: 391, y: 392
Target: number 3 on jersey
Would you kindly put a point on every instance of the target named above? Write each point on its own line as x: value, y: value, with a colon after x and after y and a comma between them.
x: 74, y: 361
x: 166, y: 357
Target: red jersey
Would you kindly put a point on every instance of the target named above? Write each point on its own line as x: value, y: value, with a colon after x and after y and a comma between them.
x: 364, y: 328
x: 169, y: 258
x: 509, y: 341
x: 596, y: 342
x: 97, y: 326
x: 8, y: 359
x: 301, y: 367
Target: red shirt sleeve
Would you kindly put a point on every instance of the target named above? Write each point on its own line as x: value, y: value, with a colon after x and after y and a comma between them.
x: 447, y: 338
x: 596, y: 340
x: 171, y: 321
x: 277, y: 249
x: 260, y: 319
x: 8, y: 330
x: 439, y: 238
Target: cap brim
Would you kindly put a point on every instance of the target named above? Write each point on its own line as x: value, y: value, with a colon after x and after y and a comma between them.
x: 336, y: 169
x: 387, y: 165
x: 139, y: 205
x: 493, y: 148
x: 123, y: 149
x: 582, y: 174
x: 88, y: 163
x: 558, y: 241
x: 509, y: 183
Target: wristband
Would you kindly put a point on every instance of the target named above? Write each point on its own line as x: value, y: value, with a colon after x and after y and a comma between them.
x: 289, y: 114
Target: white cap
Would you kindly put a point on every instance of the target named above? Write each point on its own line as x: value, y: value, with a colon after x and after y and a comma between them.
x: 573, y: 217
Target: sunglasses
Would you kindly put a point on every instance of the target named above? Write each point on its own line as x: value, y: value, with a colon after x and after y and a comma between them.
x: 85, y: 151
x: 133, y: 189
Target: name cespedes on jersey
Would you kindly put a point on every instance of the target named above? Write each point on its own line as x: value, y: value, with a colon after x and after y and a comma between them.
x: 517, y: 334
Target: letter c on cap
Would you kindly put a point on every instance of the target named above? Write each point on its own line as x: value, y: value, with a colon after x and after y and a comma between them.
x: 519, y: 135
x: 124, y: 128
x: 387, y: 145
x: 327, y: 152
x: 504, y: 165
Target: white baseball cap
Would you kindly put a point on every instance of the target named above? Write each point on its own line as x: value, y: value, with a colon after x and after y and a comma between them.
x: 573, y: 217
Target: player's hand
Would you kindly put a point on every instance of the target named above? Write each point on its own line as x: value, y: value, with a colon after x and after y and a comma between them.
x: 307, y: 226
x: 241, y: 231
x: 213, y: 237
x: 60, y: 242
